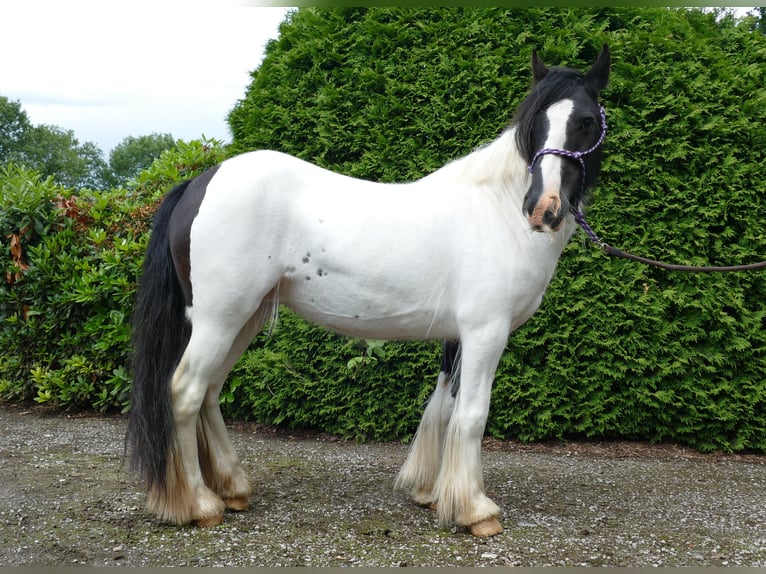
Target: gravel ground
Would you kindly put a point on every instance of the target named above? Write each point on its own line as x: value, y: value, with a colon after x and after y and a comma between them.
x: 66, y: 500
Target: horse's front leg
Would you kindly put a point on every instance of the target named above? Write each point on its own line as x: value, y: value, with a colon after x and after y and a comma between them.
x: 460, y: 485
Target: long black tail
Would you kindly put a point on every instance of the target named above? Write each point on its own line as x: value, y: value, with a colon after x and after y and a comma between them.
x: 160, y: 335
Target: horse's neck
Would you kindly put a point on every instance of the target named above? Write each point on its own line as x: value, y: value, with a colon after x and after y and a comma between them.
x: 496, y: 167
x: 499, y: 172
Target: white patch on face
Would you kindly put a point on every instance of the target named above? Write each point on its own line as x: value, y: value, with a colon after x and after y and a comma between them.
x: 558, y: 117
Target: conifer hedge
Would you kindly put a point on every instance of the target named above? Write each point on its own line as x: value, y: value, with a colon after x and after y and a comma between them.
x: 617, y: 349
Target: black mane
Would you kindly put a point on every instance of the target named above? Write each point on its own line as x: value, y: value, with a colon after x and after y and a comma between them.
x: 558, y: 84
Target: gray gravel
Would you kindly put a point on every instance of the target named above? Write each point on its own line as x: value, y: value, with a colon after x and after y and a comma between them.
x: 66, y: 500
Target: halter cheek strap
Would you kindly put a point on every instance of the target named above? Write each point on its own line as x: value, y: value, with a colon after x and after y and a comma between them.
x: 576, y: 155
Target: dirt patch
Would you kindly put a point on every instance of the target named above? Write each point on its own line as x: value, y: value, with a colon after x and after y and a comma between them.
x: 66, y: 500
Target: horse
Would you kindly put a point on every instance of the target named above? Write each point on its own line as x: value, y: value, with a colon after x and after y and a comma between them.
x: 463, y: 255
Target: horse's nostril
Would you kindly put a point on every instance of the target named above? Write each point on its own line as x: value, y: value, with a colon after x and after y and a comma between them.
x: 549, y: 216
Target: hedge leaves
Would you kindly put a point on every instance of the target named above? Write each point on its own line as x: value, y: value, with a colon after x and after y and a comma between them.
x: 617, y: 349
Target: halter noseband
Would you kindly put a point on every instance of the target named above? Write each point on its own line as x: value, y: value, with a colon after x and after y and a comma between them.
x: 576, y: 155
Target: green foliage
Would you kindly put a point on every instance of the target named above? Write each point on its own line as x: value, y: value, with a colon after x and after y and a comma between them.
x: 64, y: 328
x: 617, y: 349
x: 14, y: 122
x: 135, y: 154
x: 70, y: 279
x: 183, y: 161
x: 383, y: 94
x: 54, y: 151
x: 297, y: 375
x: 50, y: 150
x: 372, y: 352
x: 759, y: 19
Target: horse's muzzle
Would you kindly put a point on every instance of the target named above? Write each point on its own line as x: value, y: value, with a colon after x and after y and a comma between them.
x: 548, y: 214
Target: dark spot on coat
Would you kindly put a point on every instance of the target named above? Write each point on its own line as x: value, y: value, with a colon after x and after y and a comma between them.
x: 320, y: 272
x: 306, y: 259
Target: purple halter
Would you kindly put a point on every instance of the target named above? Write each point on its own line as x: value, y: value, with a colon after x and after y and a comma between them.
x: 577, y: 155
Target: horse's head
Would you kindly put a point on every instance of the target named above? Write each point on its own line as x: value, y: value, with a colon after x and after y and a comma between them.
x: 559, y: 130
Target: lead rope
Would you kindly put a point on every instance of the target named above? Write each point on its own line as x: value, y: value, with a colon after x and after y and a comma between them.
x: 605, y: 247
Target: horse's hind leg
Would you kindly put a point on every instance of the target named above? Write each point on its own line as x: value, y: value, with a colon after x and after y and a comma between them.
x: 220, y: 465
x: 421, y: 469
x: 185, y: 496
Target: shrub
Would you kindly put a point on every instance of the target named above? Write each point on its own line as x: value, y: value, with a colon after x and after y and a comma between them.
x: 298, y: 375
x: 71, y: 278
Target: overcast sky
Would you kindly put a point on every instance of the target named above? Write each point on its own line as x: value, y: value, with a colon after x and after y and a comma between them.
x: 107, y: 70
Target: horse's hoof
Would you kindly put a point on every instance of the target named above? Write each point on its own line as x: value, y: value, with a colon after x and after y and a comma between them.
x: 237, y: 504
x: 209, y: 521
x: 489, y: 527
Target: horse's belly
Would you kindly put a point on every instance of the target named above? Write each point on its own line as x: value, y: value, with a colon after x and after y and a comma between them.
x: 367, y: 311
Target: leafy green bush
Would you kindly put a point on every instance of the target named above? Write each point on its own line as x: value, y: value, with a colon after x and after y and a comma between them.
x: 64, y: 327
x: 617, y: 349
x: 70, y: 282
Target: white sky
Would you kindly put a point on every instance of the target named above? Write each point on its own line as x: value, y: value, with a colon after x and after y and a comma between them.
x: 108, y: 70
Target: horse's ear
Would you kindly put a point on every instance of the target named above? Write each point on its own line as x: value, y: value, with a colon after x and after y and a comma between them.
x: 598, y: 75
x: 539, y: 70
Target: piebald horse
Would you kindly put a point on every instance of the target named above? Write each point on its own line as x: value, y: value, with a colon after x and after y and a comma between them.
x: 463, y: 255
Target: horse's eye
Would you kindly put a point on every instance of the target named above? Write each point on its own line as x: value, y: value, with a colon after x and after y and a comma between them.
x: 587, y: 123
